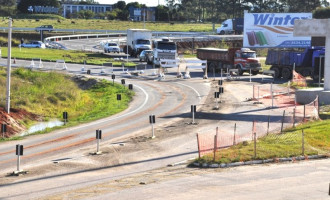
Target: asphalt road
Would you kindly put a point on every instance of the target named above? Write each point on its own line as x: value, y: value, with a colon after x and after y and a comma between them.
x: 169, y: 97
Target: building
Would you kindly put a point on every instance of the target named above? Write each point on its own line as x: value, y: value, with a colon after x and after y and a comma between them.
x: 69, y: 9
x: 137, y: 14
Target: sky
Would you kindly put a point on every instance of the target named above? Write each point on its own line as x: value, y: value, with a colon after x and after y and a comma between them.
x: 149, y: 3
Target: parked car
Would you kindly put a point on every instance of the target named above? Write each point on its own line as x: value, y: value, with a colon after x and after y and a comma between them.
x: 48, y: 28
x: 33, y: 44
x: 144, y: 55
x: 111, y: 47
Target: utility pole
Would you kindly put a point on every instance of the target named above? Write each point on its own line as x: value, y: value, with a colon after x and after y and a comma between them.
x: 8, y: 67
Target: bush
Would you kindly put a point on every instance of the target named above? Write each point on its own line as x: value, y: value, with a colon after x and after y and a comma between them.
x: 322, y: 13
x: 4, y: 42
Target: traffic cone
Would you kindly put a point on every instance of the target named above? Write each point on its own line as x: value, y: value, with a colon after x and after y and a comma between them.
x: 14, y: 61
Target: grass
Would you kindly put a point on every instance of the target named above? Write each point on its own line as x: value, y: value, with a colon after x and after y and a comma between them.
x: 70, y: 56
x: 288, y: 144
x: 49, y: 94
x: 100, y: 24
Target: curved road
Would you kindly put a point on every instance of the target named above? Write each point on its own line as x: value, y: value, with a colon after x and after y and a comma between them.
x: 170, y: 97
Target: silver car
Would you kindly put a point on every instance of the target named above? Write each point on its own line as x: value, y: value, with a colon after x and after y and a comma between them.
x: 144, y: 55
x: 33, y: 44
x: 111, y: 47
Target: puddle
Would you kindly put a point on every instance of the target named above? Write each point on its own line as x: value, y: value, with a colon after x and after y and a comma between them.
x: 42, y: 126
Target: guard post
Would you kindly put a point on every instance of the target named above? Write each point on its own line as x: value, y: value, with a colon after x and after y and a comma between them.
x: 3, y: 130
x: 65, y: 117
x: 19, y: 153
x: 113, y: 79
x: 193, y: 110
x: 152, y: 121
x: 98, y: 138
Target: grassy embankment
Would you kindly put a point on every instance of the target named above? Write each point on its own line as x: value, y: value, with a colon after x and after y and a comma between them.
x: 69, y: 56
x: 99, y: 24
x: 288, y: 144
x: 49, y: 94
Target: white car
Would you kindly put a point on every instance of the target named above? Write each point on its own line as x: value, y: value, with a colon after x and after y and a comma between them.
x: 111, y: 47
x: 33, y: 44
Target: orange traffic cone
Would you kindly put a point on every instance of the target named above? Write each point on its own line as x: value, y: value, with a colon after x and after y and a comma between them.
x: 14, y: 61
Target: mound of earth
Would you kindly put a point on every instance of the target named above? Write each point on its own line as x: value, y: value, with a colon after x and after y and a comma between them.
x: 14, y: 120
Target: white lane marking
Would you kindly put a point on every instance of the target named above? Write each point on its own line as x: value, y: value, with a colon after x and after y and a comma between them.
x: 198, y: 94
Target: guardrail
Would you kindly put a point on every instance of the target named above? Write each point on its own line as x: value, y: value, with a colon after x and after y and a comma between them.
x: 81, y: 36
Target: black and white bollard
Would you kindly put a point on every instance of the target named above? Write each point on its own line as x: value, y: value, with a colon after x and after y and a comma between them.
x: 216, y: 96
x: 19, y: 153
x: 220, y: 92
x: 3, y: 130
x: 65, y: 117
x: 193, y: 110
x: 118, y: 99
x: 98, y: 138
x: 113, y: 79
x: 152, y: 120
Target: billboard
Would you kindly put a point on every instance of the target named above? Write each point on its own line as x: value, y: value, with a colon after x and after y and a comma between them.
x: 273, y: 30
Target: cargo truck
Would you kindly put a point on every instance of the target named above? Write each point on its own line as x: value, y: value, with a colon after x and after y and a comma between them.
x: 243, y: 59
x: 231, y: 26
x: 137, y: 41
x: 164, y: 49
x: 307, y: 62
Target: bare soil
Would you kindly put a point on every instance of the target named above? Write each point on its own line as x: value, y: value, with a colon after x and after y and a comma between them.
x: 15, y: 120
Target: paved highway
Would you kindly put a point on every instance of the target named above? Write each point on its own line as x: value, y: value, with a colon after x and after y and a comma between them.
x: 162, y: 98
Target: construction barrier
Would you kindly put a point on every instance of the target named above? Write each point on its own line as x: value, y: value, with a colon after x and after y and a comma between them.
x: 195, y: 64
x: 298, y: 79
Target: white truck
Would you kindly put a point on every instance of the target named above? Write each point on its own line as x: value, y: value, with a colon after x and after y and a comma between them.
x: 164, y: 50
x: 231, y: 26
x: 137, y: 41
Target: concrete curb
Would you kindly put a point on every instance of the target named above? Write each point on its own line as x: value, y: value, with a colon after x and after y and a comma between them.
x: 255, y: 162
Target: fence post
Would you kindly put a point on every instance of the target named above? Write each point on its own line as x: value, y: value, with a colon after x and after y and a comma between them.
x: 304, y: 112
x: 303, y: 142
x: 268, y: 124
x: 234, y: 143
x: 318, y: 106
x: 294, y: 117
x: 271, y: 93
x: 255, y: 144
x: 253, y: 95
x: 215, y: 145
x: 199, y: 152
x: 282, y: 121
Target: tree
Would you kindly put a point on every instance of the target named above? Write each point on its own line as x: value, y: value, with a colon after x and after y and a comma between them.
x: 322, y: 13
x: 8, y: 4
x: 120, y: 5
x: 162, y: 13
x: 85, y: 14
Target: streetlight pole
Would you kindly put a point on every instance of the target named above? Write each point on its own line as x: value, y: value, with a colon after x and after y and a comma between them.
x: 8, y: 67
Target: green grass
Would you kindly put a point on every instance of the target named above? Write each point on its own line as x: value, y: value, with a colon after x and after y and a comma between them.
x: 99, y: 24
x: 49, y: 94
x: 70, y: 56
x: 288, y: 144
